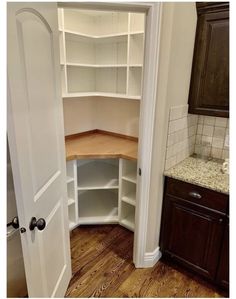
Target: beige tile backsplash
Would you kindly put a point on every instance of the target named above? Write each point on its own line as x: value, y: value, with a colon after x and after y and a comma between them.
x: 181, y: 135
x: 188, y: 134
x: 211, y: 136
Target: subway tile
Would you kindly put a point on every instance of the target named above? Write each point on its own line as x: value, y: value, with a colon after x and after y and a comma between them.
x: 192, y: 140
x: 225, y: 154
x: 170, y: 139
x: 198, y: 149
x: 219, y: 132
x: 176, y: 137
x: 172, y: 127
x: 185, y: 133
x: 209, y: 120
x: 198, y: 139
x: 221, y: 122
x: 226, y: 141
x: 216, y: 152
x: 170, y: 151
x: 206, y: 151
x: 199, y: 129
x: 207, y: 140
x: 217, y: 142
x: 201, y: 119
x: 207, y: 130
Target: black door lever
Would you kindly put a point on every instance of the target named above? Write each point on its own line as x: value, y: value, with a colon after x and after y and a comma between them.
x: 14, y: 223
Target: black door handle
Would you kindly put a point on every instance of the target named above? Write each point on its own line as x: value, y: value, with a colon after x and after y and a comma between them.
x: 40, y: 223
x: 14, y: 223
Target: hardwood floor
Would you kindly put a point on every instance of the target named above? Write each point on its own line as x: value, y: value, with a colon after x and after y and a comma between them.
x: 102, y: 267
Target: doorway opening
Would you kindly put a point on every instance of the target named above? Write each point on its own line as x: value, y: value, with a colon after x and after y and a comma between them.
x: 102, y: 61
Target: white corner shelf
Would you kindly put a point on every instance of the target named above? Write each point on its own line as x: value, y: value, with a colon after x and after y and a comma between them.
x: 127, y: 216
x: 100, y: 65
x: 129, y: 198
x: 97, y: 175
x: 130, y: 177
x: 100, y: 94
x: 136, y: 32
x: 101, y: 53
x: 103, y: 192
x: 98, y: 37
x: 128, y: 222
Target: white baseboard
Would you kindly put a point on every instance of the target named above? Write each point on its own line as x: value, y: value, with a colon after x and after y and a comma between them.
x: 151, y: 258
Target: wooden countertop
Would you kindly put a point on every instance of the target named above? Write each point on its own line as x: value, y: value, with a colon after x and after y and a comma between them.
x: 100, y: 145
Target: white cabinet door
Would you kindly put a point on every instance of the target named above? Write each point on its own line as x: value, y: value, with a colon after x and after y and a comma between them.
x: 36, y: 139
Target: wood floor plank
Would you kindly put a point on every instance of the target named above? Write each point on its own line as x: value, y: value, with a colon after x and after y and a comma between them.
x: 102, y: 267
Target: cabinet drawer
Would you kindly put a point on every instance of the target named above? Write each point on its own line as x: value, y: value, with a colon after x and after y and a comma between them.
x: 196, y: 194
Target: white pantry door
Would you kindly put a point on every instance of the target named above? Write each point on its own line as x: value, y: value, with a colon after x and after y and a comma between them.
x: 36, y: 139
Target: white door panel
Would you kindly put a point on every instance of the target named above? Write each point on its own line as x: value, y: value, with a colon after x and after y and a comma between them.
x: 36, y: 139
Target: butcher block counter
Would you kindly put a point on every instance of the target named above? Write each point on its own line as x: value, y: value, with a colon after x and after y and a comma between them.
x: 100, y: 145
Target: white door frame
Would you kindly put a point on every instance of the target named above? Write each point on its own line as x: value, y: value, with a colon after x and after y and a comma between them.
x: 147, y: 111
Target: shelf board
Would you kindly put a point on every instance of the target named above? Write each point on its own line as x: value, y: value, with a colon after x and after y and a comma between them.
x: 98, y: 220
x: 136, y: 32
x: 72, y: 225
x: 70, y: 201
x: 97, y: 65
x: 97, y: 175
x: 136, y: 65
x: 100, y: 94
x: 130, y: 177
x: 98, y: 36
x: 100, y: 65
x: 69, y: 179
x: 129, y: 198
x: 128, y: 222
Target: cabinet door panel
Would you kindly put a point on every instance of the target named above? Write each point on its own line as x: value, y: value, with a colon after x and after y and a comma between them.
x: 191, y: 236
x: 209, y: 91
x: 223, y: 270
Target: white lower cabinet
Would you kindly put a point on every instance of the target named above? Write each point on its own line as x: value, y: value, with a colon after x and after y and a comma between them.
x: 101, y: 191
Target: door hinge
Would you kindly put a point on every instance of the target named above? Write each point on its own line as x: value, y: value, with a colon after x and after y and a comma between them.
x: 139, y: 171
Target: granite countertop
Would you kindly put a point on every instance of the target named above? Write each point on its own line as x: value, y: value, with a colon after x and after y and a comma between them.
x: 200, y: 172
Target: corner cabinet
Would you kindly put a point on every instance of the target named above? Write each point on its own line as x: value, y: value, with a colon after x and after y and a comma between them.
x: 194, y: 229
x: 209, y: 88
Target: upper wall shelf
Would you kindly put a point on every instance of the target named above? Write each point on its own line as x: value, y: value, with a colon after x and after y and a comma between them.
x: 99, y: 37
x: 101, y: 53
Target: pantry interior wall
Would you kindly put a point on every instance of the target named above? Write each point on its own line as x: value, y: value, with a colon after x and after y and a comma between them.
x: 114, y: 115
x: 175, y: 63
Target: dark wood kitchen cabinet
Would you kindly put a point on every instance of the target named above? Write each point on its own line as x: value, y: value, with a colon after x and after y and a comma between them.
x: 193, y: 230
x: 209, y: 88
x: 223, y: 270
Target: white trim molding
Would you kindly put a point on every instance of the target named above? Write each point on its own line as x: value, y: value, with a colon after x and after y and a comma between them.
x: 153, y: 12
x: 146, y: 130
x: 151, y: 258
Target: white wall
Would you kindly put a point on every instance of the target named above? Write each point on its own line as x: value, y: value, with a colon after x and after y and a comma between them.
x: 176, y: 52
x: 118, y: 115
x: 109, y: 114
x: 78, y: 115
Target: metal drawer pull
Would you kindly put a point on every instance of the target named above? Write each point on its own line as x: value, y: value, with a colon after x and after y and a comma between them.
x: 195, y: 195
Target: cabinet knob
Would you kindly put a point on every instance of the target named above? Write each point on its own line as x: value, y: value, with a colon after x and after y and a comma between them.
x: 195, y: 194
x: 220, y: 220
